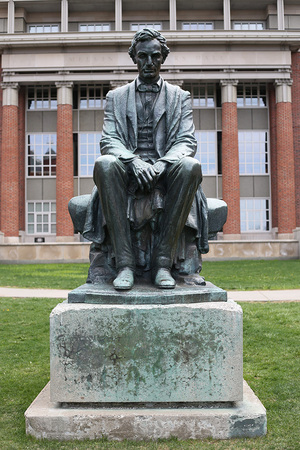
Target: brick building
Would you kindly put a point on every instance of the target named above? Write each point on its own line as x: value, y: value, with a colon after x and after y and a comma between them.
x: 240, y: 60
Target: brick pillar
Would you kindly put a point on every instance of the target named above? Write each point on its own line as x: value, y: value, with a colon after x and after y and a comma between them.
x: 230, y: 159
x: 64, y: 161
x: 21, y: 120
x: 1, y: 111
x: 273, y: 155
x: 296, y: 127
x: 285, y: 159
x: 9, y: 170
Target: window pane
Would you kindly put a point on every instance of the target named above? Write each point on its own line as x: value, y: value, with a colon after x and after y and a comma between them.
x: 38, y: 220
x: 41, y: 153
x: 255, y: 214
x: 30, y: 207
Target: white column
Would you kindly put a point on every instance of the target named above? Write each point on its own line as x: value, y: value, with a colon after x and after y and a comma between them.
x: 280, y: 14
x: 11, y: 16
x: 118, y: 15
x: 64, y: 92
x: 173, y: 14
x: 64, y: 16
x: 10, y: 94
x: 226, y: 15
x: 283, y: 91
x: 229, y: 90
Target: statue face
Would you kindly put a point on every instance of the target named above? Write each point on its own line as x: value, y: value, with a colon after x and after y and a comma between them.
x: 148, y: 58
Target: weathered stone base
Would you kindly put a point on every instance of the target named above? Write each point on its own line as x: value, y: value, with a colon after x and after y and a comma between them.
x: 46, y: 420
x: 146, y: 353
x: 143, y: 294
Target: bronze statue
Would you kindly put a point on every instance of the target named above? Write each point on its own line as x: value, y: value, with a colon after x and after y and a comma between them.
x: 147, y: 213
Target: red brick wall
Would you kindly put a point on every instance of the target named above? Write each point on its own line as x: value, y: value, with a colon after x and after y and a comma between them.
x: 21, y: 119
x: 64, y: 170
x: 1, y: 96
x: 273, y: 154
x: 296, y: 127
x: 230, y: 167
x: 10, y: 172
x: 285, y: 168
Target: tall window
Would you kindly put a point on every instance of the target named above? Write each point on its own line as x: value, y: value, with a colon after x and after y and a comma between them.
x: 251, y: 96
x: 253, y: 152
x: 41, y: 97
x: 136, y: 26
x: 203, y: 95
x: 41, y: 217
x: 197, y: 26
x: 252, y: 25
x: 88, y: 152
x: 41, y: 155
x: 43, y: 28
x: 255, y: 214
x: 94, y: 27
x: 207, y: 151
x: 92, y: 96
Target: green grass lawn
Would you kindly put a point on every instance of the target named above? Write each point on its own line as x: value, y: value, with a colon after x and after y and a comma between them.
x: 229, y: 275
x: 271, y: 367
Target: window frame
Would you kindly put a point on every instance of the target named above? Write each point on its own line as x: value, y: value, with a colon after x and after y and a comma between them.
x: 198, y: 28
x: 96, y: 153
x: 192, y: 86
x: 200, y: 155
x: 141, y: 25
x: 267, y: 211
x: 262, y: 98
x: 104, y: 88
x: 94, y: 25
x: 43, y: 25
x: 248, y: 24
x: 52, y: 100
x: 42, y: 165
x: 266, y: 153
x: 43, y: 213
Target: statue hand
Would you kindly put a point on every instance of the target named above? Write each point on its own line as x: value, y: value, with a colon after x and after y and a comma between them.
x: 160, y: 167
x: 144, y: 173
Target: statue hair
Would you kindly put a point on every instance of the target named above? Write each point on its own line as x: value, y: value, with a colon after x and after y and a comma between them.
x: 147, y: 34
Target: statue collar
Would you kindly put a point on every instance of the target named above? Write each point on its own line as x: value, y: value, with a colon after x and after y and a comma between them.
x: 157, y: 85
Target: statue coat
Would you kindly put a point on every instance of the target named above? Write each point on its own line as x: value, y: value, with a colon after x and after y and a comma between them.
x: 173, y: 137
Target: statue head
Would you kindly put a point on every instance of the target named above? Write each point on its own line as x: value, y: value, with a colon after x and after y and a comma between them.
x: 148, y: 34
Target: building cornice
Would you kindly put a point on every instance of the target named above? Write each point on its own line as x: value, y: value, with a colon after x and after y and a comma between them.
x: 266, y: 37
x: 120, y: 79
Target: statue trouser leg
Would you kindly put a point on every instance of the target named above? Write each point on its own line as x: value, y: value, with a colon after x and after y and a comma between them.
x: 183, y: 179
x: 111, y: 179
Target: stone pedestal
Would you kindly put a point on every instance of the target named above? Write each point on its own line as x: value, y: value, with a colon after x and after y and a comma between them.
x: 147, y: 294
x: 146, y: 353
x: 49, y: 420
x: 144, y: 365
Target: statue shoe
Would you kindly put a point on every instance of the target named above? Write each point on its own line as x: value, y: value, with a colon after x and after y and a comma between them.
x: 164, y: 279
x: 124, y: 280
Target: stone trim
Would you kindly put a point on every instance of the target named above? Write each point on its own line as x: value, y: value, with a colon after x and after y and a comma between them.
x: 283, y: 90
x: 10, y: 94
x: 229, y: 90
x: 64, y: 92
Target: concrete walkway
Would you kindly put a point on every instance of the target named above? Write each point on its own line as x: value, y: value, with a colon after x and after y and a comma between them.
x: 291, y: 295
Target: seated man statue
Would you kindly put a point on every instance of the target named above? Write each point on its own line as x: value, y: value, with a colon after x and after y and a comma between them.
x: 147, y: 176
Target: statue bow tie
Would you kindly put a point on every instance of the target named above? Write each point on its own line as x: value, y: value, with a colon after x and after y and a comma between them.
x: 148, y: 88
